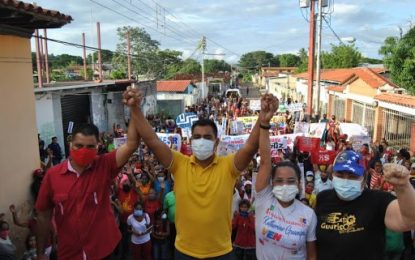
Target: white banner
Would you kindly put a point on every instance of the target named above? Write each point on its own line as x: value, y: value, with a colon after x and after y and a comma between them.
x: 255, y: 104
x: 352, y: 129
x: 175, y: 138
x: 119, y: 141
x: 301, y: 128
x: 317, y: 129
x: 232, y: 143
x: 295, y: 107
x: 358, y: 141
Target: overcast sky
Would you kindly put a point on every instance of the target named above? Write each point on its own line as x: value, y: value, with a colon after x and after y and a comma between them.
x: 239, y: 26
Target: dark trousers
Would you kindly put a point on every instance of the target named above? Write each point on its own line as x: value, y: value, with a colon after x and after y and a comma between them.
x: 245, y: 254
x: 124, y: 245
x: 172, y: 240
x: 161, y: 249
x: 180, y: 256
x: 141, y: 251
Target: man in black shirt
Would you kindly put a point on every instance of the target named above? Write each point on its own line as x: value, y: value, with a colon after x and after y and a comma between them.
x: 351, y: 220
x: 56, y: 151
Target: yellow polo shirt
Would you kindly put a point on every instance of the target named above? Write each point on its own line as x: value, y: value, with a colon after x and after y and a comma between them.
x: 203, y: 205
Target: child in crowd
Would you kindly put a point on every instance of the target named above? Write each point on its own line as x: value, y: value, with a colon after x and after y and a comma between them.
x: 244, y: 224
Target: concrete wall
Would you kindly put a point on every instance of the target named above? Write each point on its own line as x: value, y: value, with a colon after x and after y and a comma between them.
x: 170, y: 107
x: 49, y: 118
x: 99, y: 110
x: 19, y: 152
x: 115, y: 110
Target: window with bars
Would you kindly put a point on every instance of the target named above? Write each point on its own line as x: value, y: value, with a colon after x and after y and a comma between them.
x: 364, y: 115
x: 338, y: 108
x: 397, y: 127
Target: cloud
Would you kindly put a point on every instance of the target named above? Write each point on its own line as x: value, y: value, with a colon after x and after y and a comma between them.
x: 238, y: 25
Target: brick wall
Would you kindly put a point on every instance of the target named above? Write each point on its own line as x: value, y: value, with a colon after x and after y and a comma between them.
x: 330, y: 105
x: 379, y: 124
x: 348, y: 110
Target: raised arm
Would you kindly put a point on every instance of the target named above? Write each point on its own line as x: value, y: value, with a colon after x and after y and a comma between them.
x: 268, y: 107
x: 400, y: 213
x: 244, y: 156
x: 133, y: 139
x: 143, y: 127
x: 16, y: 220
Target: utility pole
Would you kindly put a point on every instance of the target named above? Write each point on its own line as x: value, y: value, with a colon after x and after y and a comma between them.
x: 129, y: 55
x: 203, y: 47
x: 45, y: 45
x: 309, y: 111
x: 318, y: 69
x: 99, y: 52
x: 84, y: 56
x: 38, y: 61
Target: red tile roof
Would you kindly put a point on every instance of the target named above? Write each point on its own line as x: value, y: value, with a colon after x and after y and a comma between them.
x: 372, y: 78
x: 336, y: 88
x: 173, y: 85
x: 34, y: 9
x: 342, y: 76
x: 404, y: 100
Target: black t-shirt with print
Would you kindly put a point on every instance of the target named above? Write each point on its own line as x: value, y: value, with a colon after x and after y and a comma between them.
x: 351, y: 229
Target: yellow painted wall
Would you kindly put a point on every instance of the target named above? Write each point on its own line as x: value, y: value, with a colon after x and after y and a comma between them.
x: 360, y: 87
x: 19, y: 154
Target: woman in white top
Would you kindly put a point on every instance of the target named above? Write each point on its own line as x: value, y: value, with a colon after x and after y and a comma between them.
x: 140, y: 228
x: 285, y: 228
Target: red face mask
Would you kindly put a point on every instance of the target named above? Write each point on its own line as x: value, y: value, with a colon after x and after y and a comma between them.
x: 84, y: 156
x: 4, y: 234
x: 308, y: 190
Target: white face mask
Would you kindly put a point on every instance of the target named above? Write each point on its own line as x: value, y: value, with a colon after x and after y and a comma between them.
x: 160, y: 179
x: 202, y: 148
x: 285, y: 193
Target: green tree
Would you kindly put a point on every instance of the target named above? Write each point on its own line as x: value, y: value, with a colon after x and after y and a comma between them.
x: 212, y: 66
x: 105, y: 54
x: 399, y: 58
x: 289, y: 60
x: 258, y: 59
x: 118, y: 74
x: 143, y: 49
x: 303, y: 66
x: 371, y: 60
x: 168, y: 63
x: 190, y: 66
x: 341, y: 56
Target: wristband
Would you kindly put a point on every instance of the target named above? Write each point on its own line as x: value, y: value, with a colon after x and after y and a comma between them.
x: 265, y: 127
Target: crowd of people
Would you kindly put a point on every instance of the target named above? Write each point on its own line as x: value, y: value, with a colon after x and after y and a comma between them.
x: 146, y: 200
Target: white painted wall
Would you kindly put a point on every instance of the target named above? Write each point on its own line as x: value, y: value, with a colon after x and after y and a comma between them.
x: 49, y: 118
x: 188, y: 99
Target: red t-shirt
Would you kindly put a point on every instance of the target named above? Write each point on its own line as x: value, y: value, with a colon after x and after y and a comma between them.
x: 245, y: 231
x: 85, y: 223
x: 150, y: 207
x: 127, y: 200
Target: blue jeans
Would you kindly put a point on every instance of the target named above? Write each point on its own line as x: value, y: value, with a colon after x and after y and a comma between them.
x: 180, y: 256
x: 161, y: 249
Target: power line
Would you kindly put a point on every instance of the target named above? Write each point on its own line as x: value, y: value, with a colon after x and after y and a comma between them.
x: 129, y: 18
x: 153, y: 21
x: 332, y: 30
x: 196, y: 33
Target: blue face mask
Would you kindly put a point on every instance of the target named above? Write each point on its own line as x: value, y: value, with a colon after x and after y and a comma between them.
x: 138, y: 213
x: 347, y: 189
x: 244, y: 214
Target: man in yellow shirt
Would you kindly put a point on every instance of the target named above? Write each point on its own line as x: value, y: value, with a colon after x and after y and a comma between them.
x: 203, y: 184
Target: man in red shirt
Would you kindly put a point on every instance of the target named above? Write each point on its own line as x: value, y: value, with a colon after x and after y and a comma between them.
x: 77, y: 193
